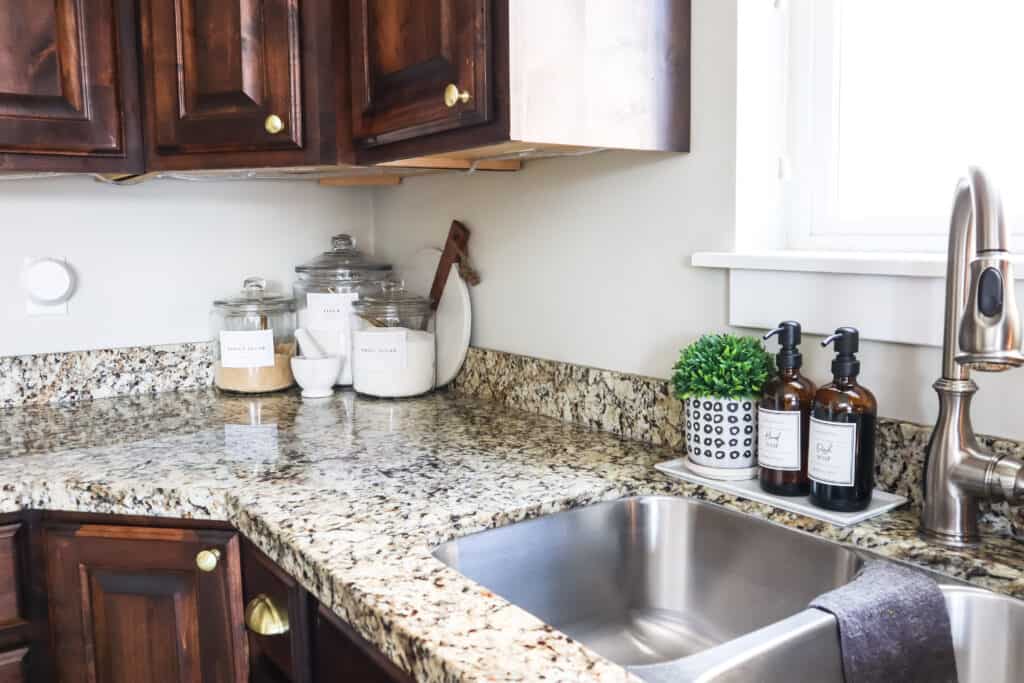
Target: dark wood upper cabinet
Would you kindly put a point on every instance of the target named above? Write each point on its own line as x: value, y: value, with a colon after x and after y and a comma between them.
x: 235, y: 82
x: 134, y: 604
x: 68, y: 86
x: 310, y: 83
x: 405, y: 54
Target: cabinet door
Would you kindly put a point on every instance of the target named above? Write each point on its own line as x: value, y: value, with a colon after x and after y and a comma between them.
x: 68, y: 95
x: 132, y: 604
x: 343, y: 656
x: 224, y: 81
x: 405, y: 53
x: 13, y: 666
x: 276, y: 657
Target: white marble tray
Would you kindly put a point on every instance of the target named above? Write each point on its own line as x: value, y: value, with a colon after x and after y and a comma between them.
x: 881, y: 501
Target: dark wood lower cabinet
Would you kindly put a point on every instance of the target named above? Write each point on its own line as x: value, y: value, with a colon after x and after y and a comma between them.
x: 14, y: 666
x: 148, y: 604
x: 343, y: 656
x: 119, y: 599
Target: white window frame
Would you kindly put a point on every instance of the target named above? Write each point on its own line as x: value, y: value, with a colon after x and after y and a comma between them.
x: 810, y: 162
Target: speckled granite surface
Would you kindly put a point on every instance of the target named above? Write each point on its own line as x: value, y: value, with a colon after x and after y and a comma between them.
x: 66, y: 377
x: 349, y: 495
x: 643, y: 408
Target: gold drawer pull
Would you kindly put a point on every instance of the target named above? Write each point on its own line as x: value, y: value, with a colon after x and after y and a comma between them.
x: 265, y: 618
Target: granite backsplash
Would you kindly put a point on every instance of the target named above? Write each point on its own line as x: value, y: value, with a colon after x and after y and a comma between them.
x: 104, y: 373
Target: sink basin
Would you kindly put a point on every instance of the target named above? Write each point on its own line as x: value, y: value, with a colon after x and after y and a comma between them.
x: 680, y: 590
x: 648, y: 580
x: 988, y: 635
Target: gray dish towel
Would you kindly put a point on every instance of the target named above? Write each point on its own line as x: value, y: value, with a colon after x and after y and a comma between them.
x: 893, y: 626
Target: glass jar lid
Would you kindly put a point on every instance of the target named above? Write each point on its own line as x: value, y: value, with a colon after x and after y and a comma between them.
x: 343, y: 262
x: 391, y: 304
x: 255, y: 298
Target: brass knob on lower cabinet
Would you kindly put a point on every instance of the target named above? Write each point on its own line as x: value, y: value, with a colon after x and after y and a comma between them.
x: 264, y: 617
x: 273, y: 124
x: 452, y: 96
x: 207, y: 560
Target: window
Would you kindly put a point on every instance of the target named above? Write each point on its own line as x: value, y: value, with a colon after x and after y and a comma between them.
x: 888, y: 102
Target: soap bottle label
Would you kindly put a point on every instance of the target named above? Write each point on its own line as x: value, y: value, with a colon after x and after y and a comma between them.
x: 831, y: 452
x: 778, y: 439
x: 247, y: 348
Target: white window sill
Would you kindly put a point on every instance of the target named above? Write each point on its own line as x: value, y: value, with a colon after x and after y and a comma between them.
x: 900, y: 264
x: 890, y: 297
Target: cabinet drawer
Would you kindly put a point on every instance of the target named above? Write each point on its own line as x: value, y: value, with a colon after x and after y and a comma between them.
x: 10, y: 609
x: 14, y: 665
x: 274, y: 657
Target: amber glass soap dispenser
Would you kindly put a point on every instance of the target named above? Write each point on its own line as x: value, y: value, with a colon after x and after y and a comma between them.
x: 841, y: 448
x: 783, y: 417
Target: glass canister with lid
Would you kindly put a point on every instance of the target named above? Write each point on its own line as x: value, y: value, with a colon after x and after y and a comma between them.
x: 393, y: 345
x: 325, y: 290
x: 254, y: 339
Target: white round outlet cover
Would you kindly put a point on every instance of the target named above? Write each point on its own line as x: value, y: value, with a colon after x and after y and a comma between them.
x: 48, y: 281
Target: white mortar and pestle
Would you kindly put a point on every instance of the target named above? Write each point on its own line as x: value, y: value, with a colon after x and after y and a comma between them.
x: 315, y: 371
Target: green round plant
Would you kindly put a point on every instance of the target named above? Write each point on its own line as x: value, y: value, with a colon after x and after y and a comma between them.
x: 722, y: 366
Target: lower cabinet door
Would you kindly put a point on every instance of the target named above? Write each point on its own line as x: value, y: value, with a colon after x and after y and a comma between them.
x: 131, y: 604
x: 14, y: 666
x: 343, y: 656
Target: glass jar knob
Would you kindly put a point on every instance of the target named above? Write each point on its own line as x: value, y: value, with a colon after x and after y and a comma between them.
x: 342, y: 242
x: 254, y: 286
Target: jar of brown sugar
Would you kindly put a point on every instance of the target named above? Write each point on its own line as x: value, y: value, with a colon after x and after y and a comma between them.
x: 254, y: 339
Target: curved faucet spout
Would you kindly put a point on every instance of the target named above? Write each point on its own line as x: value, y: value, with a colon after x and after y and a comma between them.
x: 981, y: 332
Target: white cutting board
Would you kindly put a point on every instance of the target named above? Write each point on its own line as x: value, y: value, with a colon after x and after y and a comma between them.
x: 881, y: 501
x: 453, y: 322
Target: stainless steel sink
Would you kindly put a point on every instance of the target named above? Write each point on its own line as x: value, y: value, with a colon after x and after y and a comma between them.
x: 652, y: 579
x: 680, y: 590
x: 988, y: 635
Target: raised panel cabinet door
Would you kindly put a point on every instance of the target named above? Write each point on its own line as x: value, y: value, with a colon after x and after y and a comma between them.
x: 131, y: 604
x: 68, y: 91
x: 405, y: 54
x: 341, y: 655
x: 13, y: 666
x: 225, y: 77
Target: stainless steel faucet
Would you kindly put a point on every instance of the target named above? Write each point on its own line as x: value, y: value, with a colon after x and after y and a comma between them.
x: 982, y: 332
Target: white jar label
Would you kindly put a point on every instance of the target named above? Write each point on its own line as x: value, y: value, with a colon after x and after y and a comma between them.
x: 329, y: 311
x: 380, y: 350
x: 778, y: 439
x: 831, y: 452
x: 247, y: 348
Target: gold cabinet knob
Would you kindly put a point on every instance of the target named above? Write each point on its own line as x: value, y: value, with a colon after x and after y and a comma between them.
x: 264, y: 617
x: 273, y: 124
x: 452, y: 96
x: 207, y: 560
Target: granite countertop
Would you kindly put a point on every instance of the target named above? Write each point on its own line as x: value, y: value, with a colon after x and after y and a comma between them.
x: 349, y: 495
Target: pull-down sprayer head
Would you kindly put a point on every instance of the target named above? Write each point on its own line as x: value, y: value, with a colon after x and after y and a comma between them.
x: 989, y: 322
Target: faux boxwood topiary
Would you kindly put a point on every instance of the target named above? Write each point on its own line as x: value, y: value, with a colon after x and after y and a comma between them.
x: 722, y: 366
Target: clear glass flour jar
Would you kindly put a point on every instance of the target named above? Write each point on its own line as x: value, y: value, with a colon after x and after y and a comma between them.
x: 254, y: 339
x: 393, y: 344
x: 324, y: 292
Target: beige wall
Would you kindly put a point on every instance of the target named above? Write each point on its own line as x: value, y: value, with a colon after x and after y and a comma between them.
x: 150, y: 258
x: 587, y: 260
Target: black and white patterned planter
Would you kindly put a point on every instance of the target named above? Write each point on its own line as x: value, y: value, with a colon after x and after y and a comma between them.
x: 721, y: 433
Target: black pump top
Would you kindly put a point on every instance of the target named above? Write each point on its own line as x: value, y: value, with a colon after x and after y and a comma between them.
x: 789, y: 357
x: 847, y: 340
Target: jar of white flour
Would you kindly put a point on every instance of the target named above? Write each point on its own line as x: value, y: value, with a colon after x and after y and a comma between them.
x: 324, y: 291
x: 393, y: 348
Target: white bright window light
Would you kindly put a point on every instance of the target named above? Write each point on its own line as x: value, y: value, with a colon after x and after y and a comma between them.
x: 888, y: 102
